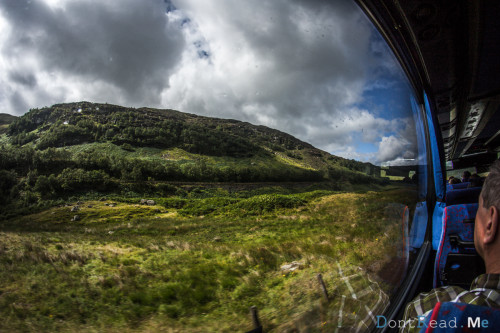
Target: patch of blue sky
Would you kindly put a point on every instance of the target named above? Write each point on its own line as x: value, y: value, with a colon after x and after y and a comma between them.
x: 387, y: 91
x: 364, y: 148
x: 387, y: 96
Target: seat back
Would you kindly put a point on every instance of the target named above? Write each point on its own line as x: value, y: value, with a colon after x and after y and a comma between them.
x: 457, y: 262
x: 460, y: 185
x: 463, y: 196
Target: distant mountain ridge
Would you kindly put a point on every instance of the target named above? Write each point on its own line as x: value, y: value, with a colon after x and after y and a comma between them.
x: 5, y: 120
x: 84, y: 122
x: 76, y: 123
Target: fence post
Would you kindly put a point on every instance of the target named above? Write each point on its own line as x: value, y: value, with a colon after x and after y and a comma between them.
x: 255, y: 317
x: 323, y: 286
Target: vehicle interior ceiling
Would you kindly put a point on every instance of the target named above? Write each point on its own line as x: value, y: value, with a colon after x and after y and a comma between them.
x: 449, y: 50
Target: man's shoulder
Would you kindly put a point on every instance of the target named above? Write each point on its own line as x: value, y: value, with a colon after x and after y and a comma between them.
x: 487, y: 281
x: 425, y: 302
x: 479, y: 294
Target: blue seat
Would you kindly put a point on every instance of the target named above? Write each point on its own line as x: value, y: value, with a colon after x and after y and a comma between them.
x: 461, y: 317
x: 457, y: 262
x: 463, y: 196
x: 460, y: 185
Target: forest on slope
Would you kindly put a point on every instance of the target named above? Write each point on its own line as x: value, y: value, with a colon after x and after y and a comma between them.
x: 77, y: 148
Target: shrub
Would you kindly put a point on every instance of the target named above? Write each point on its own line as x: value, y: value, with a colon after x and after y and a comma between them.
x: 43, y: 186
x: 270, y: 202
x: 128, y: 147
x: 166, y: 189
x: 29, y: 198
x: 72, y: 180
x: 176, y: 203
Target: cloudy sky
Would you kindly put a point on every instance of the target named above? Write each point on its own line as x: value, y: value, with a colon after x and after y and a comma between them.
x: 313, y: 68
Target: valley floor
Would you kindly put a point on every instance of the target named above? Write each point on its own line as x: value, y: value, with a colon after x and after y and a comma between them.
x: 198, y: 264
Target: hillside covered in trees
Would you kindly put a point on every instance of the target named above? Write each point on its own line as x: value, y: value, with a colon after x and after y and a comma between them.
x: 76, y: 148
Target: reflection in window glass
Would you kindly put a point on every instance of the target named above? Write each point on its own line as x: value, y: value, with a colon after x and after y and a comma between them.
x: 141, y: 217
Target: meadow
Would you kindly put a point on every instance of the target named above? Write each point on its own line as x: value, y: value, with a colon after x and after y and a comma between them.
x: 197, y: 262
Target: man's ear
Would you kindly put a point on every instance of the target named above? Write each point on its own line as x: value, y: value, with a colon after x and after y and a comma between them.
x: 491, y: 225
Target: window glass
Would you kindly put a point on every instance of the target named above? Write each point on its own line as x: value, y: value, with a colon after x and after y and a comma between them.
x: 168, y: 165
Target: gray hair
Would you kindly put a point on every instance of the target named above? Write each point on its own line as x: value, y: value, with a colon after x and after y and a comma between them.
x: 491, y: 187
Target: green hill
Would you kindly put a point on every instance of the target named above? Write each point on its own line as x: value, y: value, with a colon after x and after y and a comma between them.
x: 82, y: 123
x: 75, y: 148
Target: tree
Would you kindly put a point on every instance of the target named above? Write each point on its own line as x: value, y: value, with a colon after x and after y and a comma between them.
x: 43, y: 186
x: 7, y: 182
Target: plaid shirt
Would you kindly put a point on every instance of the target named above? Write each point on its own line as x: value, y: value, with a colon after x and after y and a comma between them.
x: 484, y: 291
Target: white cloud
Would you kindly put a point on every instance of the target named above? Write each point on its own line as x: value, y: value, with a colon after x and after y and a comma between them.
x: 399, y: 149
x: 126, y: 45
x: 299, y: 66
x: 389, y: 148
x: 294, y: 66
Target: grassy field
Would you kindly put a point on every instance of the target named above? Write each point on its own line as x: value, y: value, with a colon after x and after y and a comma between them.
x: 197, y: 263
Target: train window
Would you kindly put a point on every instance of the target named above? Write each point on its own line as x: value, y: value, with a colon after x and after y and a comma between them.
x: 170, y: 165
